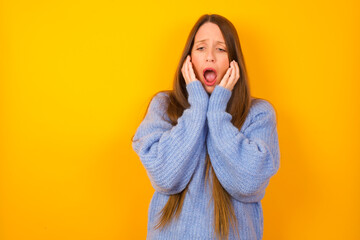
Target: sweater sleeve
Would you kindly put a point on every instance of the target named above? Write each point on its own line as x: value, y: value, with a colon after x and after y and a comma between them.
x: 170, y: 153
x: 244, y: 160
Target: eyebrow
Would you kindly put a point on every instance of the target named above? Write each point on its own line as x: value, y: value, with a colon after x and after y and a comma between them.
x: 208, y: 39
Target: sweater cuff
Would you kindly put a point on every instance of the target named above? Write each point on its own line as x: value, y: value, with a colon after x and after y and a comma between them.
x: 197, y: 94
x: 219, y: 99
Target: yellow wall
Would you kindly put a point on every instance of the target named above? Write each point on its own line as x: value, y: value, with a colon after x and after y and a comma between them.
x: 76, y: 77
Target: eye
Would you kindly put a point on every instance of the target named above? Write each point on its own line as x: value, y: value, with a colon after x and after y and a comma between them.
x: 200, y: 48
x: 223, y: 50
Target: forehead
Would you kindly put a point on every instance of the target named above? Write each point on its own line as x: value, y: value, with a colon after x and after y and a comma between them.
x: 209, y: 31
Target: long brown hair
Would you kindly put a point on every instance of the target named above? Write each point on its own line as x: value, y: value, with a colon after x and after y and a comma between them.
x: 238, y: 106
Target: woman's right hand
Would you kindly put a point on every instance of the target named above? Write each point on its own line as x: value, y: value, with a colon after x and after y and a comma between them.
x: 188, y: 71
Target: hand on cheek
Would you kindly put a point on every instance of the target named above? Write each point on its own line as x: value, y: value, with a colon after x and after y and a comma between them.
x: 231, y: 76
x: 188, y: 71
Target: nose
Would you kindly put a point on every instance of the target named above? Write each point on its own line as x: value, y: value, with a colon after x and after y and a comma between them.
x: 210, y: 57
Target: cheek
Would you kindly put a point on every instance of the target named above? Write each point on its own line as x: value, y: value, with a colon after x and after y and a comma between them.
x: 224, y: 68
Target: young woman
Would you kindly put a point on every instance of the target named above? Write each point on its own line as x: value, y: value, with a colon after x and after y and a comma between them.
x: 208, y: 147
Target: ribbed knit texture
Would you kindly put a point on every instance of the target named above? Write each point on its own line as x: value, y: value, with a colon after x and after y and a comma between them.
x: 243, y: 161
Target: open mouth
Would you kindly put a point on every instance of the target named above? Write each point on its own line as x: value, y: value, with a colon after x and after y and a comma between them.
x: 209, y: 76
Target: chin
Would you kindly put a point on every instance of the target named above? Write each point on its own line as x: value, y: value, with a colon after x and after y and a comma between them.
x: 209, y: 89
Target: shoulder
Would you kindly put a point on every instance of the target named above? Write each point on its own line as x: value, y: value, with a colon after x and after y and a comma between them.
x: 261, y: 105
x: 158, y: 105
x: 262, y: 109
x: 159, y: 99
x: 161, y: 96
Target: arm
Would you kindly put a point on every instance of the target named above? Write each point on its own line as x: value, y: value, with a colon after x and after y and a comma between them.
x: 244, y: 160
x: 168, y: 152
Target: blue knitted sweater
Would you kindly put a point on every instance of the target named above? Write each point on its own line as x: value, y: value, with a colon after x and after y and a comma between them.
x: 243, y: 161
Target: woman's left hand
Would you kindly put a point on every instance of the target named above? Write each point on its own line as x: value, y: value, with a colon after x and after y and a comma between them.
x: 231, y: 76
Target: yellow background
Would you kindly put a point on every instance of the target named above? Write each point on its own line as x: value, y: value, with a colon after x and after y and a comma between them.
x: 76, y: 77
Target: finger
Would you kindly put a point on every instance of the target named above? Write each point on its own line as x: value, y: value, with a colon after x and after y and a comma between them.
x: 236, y: 74
x: 184, y: 71
x: 225, y: 79
x: 187, y: 75
x: 191, y: 72
x: 231, y: 77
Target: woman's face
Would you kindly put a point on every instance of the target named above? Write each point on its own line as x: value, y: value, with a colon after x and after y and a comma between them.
x: 209, y: 51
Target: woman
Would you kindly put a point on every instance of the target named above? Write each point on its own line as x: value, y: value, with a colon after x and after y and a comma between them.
x: 209, y: 149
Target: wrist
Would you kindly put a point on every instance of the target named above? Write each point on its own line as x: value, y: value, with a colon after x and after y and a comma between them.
x: 219, y: 98
x: 197, y: 94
